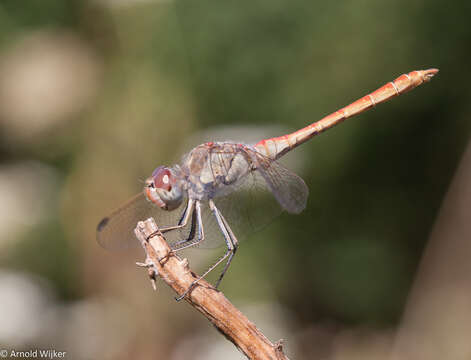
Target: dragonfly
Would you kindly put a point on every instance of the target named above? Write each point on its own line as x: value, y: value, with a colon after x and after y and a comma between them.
x: 196, y: 202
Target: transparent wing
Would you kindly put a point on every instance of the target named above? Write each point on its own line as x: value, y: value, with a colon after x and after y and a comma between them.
x: 288, y: 188
x: 116, y: 231
x: 247, y: 209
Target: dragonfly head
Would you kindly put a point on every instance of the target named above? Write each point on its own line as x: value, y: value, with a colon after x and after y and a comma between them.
x: 163, y: 189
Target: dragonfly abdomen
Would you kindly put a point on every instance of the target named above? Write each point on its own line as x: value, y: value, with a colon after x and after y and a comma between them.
x: 278, y: 146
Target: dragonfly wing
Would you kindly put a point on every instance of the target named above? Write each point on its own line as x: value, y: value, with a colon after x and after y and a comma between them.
x: 288, y: 188
x: 116, y: 231
x: 247, y: 209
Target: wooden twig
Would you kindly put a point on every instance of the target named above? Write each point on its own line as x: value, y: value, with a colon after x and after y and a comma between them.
x: 175, y: 272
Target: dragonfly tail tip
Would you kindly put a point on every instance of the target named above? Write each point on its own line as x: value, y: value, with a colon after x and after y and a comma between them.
x: 430, y: 73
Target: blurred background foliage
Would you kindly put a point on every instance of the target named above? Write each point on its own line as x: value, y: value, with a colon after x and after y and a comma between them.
x: 95, y: 94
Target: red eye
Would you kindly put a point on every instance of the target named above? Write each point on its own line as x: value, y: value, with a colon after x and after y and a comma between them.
x: 162, y: 178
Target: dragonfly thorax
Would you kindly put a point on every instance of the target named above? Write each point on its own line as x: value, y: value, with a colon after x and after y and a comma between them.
x: 215, y: 169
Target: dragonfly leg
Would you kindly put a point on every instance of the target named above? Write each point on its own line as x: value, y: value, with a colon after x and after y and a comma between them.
x: 182, y: 223
x: 189, y: 240
x: 235, y: 244
x: 231, y: 244
x: 191, y: 236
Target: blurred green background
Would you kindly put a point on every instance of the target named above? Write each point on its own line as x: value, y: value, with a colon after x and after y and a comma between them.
x: 95, y: 94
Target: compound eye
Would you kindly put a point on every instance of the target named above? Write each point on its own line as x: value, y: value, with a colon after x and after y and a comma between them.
x: 163, y: 178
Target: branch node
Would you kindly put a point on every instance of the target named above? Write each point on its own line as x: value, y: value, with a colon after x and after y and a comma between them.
x: 278, y: 347
x: 186, y: 264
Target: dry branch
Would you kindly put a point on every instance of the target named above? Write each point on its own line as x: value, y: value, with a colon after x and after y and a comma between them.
x: 176, y: 273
